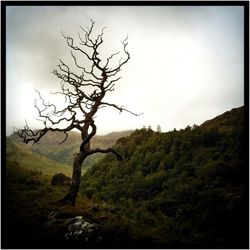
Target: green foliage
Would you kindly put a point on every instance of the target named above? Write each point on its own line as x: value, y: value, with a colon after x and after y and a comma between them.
x: 183, y: 184
x: 89, y: 192
x: 180, y: 189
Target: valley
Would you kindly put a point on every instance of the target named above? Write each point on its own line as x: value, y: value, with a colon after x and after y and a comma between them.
x: 180, y: 189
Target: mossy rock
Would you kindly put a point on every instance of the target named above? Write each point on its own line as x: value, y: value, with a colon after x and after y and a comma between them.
x: 60, y: 180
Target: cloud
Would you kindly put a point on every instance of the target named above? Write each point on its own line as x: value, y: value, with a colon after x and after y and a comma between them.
x: 186, y: 62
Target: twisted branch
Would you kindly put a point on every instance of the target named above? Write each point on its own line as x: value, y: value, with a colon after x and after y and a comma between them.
x: 108, y: 150
x: 82, y: 92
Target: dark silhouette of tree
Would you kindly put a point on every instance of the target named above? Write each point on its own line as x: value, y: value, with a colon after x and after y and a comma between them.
x: 84, y: 89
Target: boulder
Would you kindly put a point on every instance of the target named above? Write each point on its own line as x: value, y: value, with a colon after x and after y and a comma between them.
x: 82, y: 230
x: 75, y: 229
x: 60, y: 179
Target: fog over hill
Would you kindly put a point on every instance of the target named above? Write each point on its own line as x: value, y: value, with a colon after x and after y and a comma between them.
x: 49, y: 145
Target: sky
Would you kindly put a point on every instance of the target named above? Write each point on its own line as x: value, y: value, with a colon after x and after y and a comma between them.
x: 186, y: 61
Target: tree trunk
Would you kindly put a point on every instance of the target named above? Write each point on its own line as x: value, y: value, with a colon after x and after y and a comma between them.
x: 70, y: 197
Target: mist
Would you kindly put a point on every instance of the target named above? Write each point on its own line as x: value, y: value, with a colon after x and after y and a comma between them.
x: 186, y: 62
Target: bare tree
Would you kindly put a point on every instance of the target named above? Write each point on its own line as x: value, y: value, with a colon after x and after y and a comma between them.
x: 84, y: 90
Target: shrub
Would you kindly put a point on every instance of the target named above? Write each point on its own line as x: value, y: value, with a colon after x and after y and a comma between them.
x: 60, y: 179
x: 89, y: 192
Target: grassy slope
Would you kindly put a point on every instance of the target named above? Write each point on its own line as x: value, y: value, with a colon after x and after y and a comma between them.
x: 49, y: 145
x: 17, y: 155
x: 30, y: 199
x: 226, y: 121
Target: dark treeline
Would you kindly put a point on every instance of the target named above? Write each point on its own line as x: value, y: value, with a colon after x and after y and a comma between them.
x: 178, y: 189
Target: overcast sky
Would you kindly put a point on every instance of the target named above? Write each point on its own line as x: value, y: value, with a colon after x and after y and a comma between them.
x: 186, y: 62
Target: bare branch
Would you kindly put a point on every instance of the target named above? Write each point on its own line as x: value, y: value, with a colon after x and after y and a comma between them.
x: 66, y: 136
x: 111, y: 84
x: 119, y: 108
x: 82, y: 92
x: 108, y: 150
x: 109, y: 58
x: 52, y: 111
x: 84, y: 70
x: 118, y: 68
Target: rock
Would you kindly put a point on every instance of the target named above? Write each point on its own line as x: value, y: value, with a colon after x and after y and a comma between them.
x: 76, y: 229
x: 60, y: 179
x: 81, y: 229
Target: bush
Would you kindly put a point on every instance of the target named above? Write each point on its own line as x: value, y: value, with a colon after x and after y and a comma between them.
x: 89, y: 192
x: 60, y: 179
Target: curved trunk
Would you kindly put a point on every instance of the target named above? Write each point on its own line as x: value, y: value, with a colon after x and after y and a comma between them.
x: 70, y: 197
x: 85, y: 151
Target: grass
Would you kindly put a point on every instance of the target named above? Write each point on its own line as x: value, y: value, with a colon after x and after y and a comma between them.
x: 190, y: 209
x: 31, y: 199
x: 21, y: 156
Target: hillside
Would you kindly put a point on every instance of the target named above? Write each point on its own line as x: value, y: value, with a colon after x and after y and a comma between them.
x: 21, y: 157
x: 49, y: 146
x: 180, y: 189
x: 227, y: 121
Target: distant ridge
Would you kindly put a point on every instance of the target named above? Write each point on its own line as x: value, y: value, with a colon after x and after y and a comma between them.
x: 49, y: 146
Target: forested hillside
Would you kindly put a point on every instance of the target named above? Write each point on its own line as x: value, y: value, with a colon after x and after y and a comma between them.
x: 183, y: 188
x: 180, y: 189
